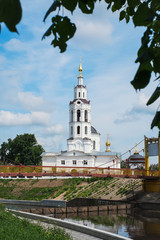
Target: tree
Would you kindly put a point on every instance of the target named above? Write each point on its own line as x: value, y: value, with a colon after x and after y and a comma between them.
x: 23, y: 149
x: 144, y: 13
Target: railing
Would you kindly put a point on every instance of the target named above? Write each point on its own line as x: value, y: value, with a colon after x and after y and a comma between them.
x: 40, y: 171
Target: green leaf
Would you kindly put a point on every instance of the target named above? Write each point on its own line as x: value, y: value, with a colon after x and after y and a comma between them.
x: 142, y: 76
x: 155, y: 5
x: 70, y: 5
x: 133, y: 3
x: 48, y: 32
x: 144, y: 55
x: 109, y: 5
x: 10, y: 13
x: 118, y: 4
x: 156, y: 62
x: 127, y: 18
x: 130, y: 11
x: 146, y: 37
x: 56, y: 4
x: 143, y: 16
x: 86, y: 6
x: 156, y: 120
x: 122, y: 15
x: 63, y: 30
x: 154, y: 96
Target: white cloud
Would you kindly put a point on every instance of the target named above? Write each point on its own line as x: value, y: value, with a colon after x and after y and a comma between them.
x: 13, y: 119
x: 15, y: 45
x: 30, y: 102
x: 92, y: 33
x: 138, y: 110
x: 57, y: 129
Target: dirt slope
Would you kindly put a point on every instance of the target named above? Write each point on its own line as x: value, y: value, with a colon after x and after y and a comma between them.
x: 67, y: 189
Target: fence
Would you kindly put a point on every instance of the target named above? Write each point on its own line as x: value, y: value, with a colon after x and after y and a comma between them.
x: 40, y: 171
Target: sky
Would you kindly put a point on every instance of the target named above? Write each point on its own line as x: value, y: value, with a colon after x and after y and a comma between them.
x: 37, y: 81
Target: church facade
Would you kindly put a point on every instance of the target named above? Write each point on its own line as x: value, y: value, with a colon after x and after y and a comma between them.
x: 83, y: 144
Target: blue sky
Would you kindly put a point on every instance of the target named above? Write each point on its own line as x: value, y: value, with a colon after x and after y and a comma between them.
x: 37, y: 81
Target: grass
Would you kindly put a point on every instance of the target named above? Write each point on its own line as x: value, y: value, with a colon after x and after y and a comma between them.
x: 70, y: 188
x: 14, y: 228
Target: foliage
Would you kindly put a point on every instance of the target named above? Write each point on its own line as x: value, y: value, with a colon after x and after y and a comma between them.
x: 143, y: 13
x: 154, y: 167
x: 23, y: 149
x: 12, y: 228
x: 123, y: 164
x: 10, y: 13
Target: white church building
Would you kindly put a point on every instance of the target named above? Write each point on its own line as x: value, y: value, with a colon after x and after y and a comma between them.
x: 83, y: 144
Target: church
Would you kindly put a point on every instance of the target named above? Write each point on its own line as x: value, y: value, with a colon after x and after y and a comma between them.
x: 83, y: 144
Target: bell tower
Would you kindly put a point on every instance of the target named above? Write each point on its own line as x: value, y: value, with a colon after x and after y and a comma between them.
x: 80, y: 129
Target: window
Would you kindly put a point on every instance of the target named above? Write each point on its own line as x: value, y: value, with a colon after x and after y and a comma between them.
x: 86, y: 116
x: 71, y: 130
x: 78, y: 102
x: 78, y: 115
x: 74, y: 162
x: 83, y: 94
x: 79, y: 94
x: 78, y: 130
x: 94, y: 145
x: 84, y: 162
x: 75, y: 95
x: 72, y: 116
x: 62, y: 162
x: 86, y: 130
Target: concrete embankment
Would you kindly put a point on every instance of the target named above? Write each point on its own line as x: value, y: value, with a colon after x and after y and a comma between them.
x: 75, y: 206
x: 73, y: 226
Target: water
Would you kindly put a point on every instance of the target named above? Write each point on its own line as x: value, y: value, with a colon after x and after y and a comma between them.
x: 136, y: 225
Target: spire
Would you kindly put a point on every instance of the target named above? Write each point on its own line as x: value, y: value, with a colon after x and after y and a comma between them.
x: 80, y: 68
x: 136, y: 150
x: 80, y: 78
x: 108, y: 144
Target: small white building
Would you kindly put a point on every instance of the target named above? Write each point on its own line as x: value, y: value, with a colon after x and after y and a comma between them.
x: 83, y: 144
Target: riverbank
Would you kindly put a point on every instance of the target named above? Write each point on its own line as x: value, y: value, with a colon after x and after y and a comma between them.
x: 70, y: 188
x: 12, y: 227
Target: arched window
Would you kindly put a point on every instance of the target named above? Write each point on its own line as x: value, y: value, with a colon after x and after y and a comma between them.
x: 83, y: 94
x: 86, y: 116
x: 79, y: 94
x: 75, y: 95
x: 86, y: 130
x: 78, y: 115
x: 71, y: 130
x: 94, y: 145
x: 72, y: 116
x: 78, y: 129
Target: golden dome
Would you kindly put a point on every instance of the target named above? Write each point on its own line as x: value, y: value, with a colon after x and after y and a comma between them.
x: 80, y: 68
x: 108, y: 142
x: 136, y: 150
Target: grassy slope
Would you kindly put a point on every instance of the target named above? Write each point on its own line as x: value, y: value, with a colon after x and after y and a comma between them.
x: 67, y: 189
x: 13, y: 228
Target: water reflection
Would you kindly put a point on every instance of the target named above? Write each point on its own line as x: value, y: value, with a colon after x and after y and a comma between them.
x: 132, y: 224
x: 137, y: 224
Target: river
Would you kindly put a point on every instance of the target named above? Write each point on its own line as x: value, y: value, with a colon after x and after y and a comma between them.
x: 136, y: 224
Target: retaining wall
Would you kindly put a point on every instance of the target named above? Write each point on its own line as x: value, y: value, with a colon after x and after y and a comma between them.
x: 73, y: 226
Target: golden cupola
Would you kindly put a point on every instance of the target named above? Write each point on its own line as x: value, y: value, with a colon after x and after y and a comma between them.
x: 136, y: 152
x: 108, y: 144
x: 80, y: 69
